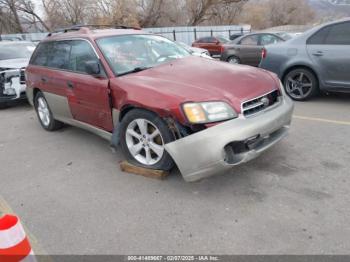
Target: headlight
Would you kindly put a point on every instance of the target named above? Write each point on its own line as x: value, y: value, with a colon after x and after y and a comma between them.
x: 207, y: 112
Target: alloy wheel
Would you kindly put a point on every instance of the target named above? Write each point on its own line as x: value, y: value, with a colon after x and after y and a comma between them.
x: 144, y: 142
x: 43, y: 111
x: 233, y: 60
x: 298, y: 85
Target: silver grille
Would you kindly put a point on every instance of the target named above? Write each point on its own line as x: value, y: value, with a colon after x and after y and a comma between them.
x: 260, y: 103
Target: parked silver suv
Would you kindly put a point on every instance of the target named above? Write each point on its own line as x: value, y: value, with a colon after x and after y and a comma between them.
x: 317, y: 60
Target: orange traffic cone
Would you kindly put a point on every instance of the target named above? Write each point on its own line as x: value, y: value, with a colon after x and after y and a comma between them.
x: 14, y: 244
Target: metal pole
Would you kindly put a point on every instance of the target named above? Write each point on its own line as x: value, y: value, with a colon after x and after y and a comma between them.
x: 211, y: 32
x: 174, y: 35
x: 195, y: 33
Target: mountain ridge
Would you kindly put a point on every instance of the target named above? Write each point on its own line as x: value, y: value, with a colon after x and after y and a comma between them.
x: 326, y: 9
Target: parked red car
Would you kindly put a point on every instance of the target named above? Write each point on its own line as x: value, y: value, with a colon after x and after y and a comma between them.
x: 215, y: 45
x: 159, y: 103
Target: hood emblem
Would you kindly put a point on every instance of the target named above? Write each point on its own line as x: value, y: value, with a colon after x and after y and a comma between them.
x: 265, y: 101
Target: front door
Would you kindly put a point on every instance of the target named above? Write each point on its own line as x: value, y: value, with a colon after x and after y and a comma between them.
x: 329, y: 50
x: 88, y: 95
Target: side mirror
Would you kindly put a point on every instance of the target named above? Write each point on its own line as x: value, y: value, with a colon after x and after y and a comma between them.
x: 92, y: 67
x: 217, y: 42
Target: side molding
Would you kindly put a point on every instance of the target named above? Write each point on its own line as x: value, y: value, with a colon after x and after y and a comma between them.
x: 61, y: 111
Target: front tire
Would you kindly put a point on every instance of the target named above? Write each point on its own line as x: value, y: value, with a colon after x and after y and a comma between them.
x: 142, y: 138
x: 301, y: 84
x: 44, y: 113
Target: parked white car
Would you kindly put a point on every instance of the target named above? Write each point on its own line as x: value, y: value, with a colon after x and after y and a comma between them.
x: 195, y: 50
x: 14, y: 58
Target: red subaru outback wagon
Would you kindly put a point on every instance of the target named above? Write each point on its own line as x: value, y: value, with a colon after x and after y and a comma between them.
x: 161, y: 105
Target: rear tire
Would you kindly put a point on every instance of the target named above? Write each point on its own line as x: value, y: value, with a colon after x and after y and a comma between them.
x: 4, y: 106
x: 142, y: 138
x: 44, y: 113
x: 301, y: 84
x: 233, y: 60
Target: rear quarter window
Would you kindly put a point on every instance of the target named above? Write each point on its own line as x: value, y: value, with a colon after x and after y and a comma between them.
x: 339, y: 34
x: 319, y: 37
x: 41, y: 54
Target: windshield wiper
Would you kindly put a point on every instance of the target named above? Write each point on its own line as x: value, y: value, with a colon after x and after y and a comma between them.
x: 135, y: 70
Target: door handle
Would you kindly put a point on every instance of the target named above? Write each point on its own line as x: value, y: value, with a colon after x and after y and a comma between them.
x: 43, y: 79
x: 318, y: 53
x: 70, y: 84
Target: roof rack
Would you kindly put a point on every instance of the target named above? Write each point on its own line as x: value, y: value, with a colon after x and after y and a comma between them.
x: 78, y: 27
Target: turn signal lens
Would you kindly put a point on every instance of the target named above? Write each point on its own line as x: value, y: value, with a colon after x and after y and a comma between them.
x: 195, y: 113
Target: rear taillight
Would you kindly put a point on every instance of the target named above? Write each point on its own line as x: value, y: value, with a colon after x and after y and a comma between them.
x: 222, y: 49
x: 263, y: 53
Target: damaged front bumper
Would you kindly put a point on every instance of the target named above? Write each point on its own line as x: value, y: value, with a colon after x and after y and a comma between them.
x: 231, y: 143
x: 12, y: 85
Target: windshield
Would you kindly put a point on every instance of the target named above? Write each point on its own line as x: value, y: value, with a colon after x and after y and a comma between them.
x: 222, y: 39
x: 188, y: 48
x: 14, y: 51
x: 133, y: 53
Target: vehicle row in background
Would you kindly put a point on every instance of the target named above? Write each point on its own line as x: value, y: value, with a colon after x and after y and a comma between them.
x: 318, y: 60
x: 240, y: 49
x: 14, y: 57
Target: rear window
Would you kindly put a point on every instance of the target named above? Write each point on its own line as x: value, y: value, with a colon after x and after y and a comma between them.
x: 16, y: 50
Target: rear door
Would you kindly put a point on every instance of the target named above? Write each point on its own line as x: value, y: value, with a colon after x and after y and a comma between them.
x: 88, y: 95
x: 329, y: 49
x: 250, y: 50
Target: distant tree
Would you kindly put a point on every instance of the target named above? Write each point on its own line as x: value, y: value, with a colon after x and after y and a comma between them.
x: 9, y: 8
x: 285, y: 12
x: 200, y: 11
x: 270, y: 13
x: 60, y: 13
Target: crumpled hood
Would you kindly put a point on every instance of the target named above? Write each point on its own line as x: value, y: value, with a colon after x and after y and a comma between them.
x: 197, y: 79
x: 14, y: 63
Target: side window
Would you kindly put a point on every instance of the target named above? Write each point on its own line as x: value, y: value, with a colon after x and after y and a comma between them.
x: 319, y: 37
x: 212, y: 40
x: 339, y: 34
x: 59, y: 55
x: 201, y: 40
x: 81, y: 52
x: 41, y: 55
x: 250, y: 40
x: 269, y: 39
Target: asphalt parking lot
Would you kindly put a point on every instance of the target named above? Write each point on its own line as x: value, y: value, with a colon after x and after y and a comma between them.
x: 73, y: 199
